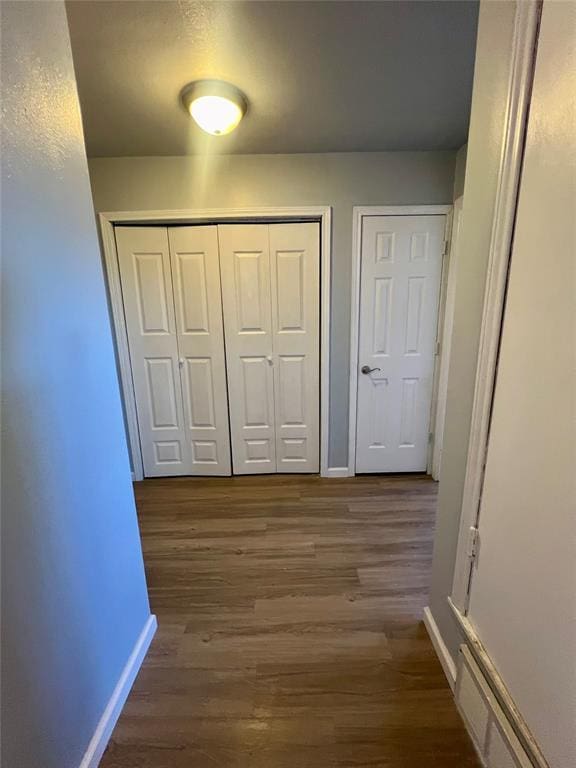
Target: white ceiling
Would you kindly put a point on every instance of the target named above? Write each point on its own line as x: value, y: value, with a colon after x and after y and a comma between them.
x: 319, y: 76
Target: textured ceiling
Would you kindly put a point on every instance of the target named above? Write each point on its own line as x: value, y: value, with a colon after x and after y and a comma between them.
x: 319, y: 76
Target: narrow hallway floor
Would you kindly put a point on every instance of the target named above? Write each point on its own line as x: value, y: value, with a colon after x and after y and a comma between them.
x: 290, y: 628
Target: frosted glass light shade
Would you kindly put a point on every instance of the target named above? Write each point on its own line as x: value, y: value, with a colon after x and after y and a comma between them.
x: 216, y: 107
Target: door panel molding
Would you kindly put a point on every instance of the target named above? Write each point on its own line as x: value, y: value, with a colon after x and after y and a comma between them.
x: 109, y: 219
x: 383, y: 253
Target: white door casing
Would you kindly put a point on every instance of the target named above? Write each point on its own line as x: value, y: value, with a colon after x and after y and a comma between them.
x: 295, y: 281
x: 446, y: 341
x: 401, y: 262
x: 245, y: 264
x: 200, y: 338
x: 270, y: 287
x: 144, y: 263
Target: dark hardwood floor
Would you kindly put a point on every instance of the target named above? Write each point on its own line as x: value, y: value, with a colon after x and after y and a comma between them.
x: 290, y: 632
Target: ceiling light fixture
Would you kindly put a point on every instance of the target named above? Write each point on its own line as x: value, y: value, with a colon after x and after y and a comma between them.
x: 217, y: 107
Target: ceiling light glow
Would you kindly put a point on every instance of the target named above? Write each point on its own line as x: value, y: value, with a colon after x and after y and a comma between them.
x: 215, y: 106
x: 215, y: 114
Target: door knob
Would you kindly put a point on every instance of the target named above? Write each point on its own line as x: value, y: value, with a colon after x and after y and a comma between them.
x: 270, y: 359
x: 366, y: 369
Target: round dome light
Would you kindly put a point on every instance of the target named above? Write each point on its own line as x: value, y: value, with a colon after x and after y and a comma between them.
x: 216, y: 107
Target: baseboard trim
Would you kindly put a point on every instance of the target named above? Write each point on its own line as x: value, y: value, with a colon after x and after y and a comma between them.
x: 442, y: 651
x: 101, y: 737
x: 500, y: 691
x: 337, y: 472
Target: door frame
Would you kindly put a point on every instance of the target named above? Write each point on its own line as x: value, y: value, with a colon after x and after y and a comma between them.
x: 446, y: 314
x: 262, y: 215
x: 359, y: 213
x: 519, y: 89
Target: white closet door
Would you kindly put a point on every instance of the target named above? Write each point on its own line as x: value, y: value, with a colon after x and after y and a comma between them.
x: 144, y: 262
x: 200, y: 335
x: 295, y: 277
x: 400, y: 285
x: 245, y: 263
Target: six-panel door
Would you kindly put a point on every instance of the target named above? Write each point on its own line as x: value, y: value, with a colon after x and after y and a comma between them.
x: 270, y: 287
x: 401, y: 263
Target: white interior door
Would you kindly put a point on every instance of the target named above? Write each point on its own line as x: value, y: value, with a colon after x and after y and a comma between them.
x: 200, y: 337
x: 401, y: 262
x: 144, y: 262
x: 246, y: 294
x: 295, y: 276
x: 270, y: 287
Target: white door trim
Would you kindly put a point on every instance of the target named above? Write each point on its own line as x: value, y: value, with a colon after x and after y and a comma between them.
x: 522, y: 57
x: 358, y: 213
x: 445, y: 316
x: 107, y: 220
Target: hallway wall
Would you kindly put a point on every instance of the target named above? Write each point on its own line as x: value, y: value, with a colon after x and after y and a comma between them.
x: 341, y: 180
x: 494, y: 43
x: 523, y: 595
x: 74, y: 597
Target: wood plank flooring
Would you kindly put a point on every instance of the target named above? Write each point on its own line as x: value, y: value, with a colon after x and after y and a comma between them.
x: 290, y: 632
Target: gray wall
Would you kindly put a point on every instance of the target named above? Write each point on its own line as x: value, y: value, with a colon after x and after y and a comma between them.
x: 460, y: 171
x: 73, y: 590
x: 494, y: 43
x: 524, y: 584
x: 340, y: 180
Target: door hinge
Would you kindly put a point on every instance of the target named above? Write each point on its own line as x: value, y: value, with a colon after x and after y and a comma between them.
x: 430, y: 437
x: 437, y: 348
x: 446, y: 247
x: 473, y: 541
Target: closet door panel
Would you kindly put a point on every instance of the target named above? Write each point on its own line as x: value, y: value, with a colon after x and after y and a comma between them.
x: 144, y: 262
x: 200, y: 335
x: 295, y: 275
x: 245, y: 264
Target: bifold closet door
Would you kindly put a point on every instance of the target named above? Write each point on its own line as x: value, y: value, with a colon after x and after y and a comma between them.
x: 295, y: 278
x: 145, y: 274
x: 198, y: 303
x: 172, y: 304
x: 270, y: 288
x: 245, y: 266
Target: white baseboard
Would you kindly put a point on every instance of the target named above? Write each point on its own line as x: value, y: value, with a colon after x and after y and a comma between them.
x: 337, y: 472
x: 499, y: 697
x: 492, y: 731
x: 442, y: 651
x: 104, y: 729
